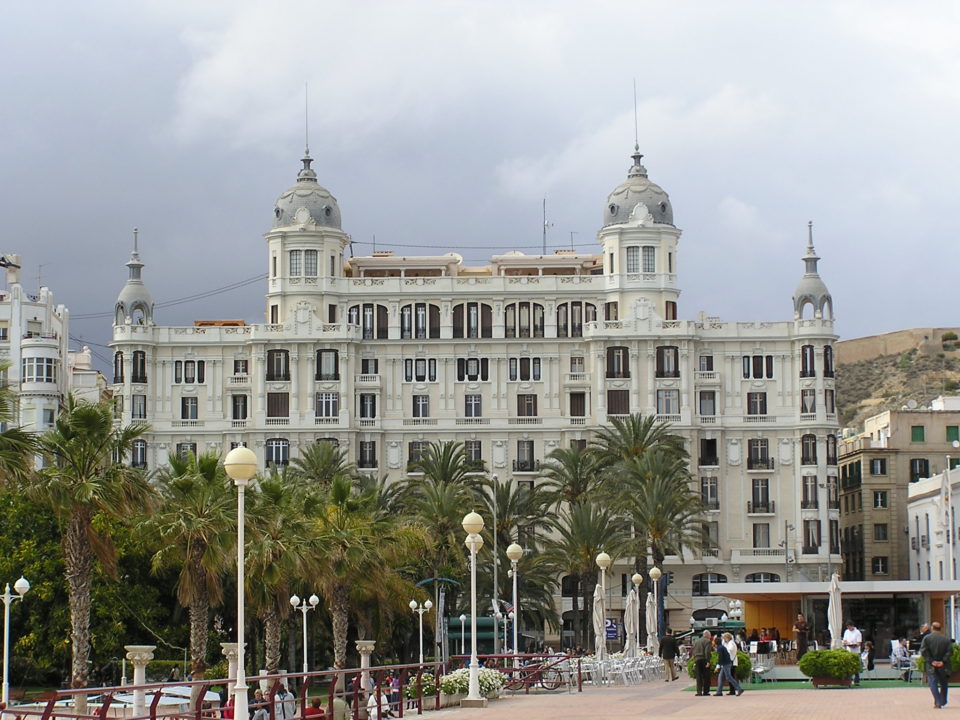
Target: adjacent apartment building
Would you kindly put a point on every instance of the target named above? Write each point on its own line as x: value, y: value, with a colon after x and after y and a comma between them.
x: 878, y: 468
x: 515, y: 358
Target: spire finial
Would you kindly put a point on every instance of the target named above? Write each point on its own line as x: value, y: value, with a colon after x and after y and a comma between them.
x: 306, y: 119
x: 136, y: 233
x: 810, y: 235
x: 636, y: 123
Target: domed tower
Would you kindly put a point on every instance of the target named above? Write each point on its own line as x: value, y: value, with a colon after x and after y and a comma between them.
x: 811, y: 290
x: 305, y: 251
x: 134, y: 304
x: 639, y: 243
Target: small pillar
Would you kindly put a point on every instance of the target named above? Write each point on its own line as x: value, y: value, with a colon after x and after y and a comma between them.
x: 139, y: 655
x: 365, y: 648
x: 231, y: 651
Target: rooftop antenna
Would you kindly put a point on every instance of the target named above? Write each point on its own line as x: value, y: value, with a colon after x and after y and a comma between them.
x: 374, y: 243
x: 572, y: 233
x: 545, y: 224
x: 306, y: 117
x: 40, y: 275
x: 636, y: 123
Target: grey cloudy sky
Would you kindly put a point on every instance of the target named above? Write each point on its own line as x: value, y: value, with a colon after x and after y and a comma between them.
x: 444, y: 125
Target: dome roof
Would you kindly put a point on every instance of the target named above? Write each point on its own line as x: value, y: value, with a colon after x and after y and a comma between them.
x: 637, y: 188
x: 307, y: 193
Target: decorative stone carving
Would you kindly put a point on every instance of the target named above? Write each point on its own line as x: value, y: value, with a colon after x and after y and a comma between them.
x: 734, y: 451
x: 499, y: 453
x: 393, y: 454
x: 786, y: 451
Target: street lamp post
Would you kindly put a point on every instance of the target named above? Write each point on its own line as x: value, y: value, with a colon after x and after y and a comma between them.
x: 303, y: 606
x: 636, y: 580
x: 420, y: 610
x: 603, y: 562
x: 496, y: 559
x: 21, y: 586
x: 655, y: 575
x: 463, y: 634
x: 473, y: 525
x: 515, y: 552
x: 241, y: 465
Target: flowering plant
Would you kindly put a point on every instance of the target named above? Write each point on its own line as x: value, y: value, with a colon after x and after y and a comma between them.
x: 458, y: 682
x: 428, y: 685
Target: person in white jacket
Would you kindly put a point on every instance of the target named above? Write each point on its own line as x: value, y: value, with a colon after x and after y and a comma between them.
x: 378, y: 706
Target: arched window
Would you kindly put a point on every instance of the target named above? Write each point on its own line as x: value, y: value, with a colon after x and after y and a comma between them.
x: 138, y: 314
x: 807, y: 363
x: 118, y: 367
x: 523, y: 320
x: 120, y: 315
x: 808, y: 449
x: 420, y: 321
x: 139, y: 374
x: 701, y: 583
x: 762, y: 577
x: 371, y: 318
x: 472, y: 320
x: 572, y: 316
x: 278, y: 452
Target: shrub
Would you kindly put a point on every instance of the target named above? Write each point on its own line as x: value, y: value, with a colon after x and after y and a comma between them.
x: 428, y: 686
x: 954, y: 660
x: 491, y: 682
x: 948, y: 336
x: 741, y: 671
x: 836, y: 663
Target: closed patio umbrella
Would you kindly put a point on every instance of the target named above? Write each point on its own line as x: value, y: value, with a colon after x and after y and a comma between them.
x: 835, y: 613
x: 630, y: 623
x: 599, y: 628
x: 653, y: 640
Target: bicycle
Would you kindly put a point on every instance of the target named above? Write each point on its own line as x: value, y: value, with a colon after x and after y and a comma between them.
x: 549, y: 677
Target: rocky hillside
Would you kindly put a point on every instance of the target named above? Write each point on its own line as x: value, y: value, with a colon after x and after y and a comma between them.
x: 887, y: 382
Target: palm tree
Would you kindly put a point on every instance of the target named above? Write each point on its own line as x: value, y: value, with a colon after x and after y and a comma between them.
x: 631, y: 437
x: 581, y: 532
x: 84, y: 479
x: 446, y: 463
x: 571, y: 475
x: 195, y: 529
x: 362, y: 550
x: 281, y: 553
x: 321, y: 462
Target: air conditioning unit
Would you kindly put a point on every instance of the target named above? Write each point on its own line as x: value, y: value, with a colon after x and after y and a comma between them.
x: 711, y: 622
x: 914, y: 544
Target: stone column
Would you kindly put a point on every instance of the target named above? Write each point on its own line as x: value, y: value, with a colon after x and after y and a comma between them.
x: 365, y: 648
x: 139, y: 655
x: 231, y: 652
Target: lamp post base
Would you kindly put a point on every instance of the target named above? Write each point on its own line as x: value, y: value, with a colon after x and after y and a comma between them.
x: 478, y: 703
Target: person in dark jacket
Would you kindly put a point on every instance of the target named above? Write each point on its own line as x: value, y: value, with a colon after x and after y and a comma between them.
x: 702, y: 648
x: 936, y: 650
x: 668, y: 651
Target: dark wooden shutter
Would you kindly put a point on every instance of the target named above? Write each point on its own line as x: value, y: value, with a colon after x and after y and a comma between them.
x: 458, y: 321
x: 486, y: 321
x: 434, y: 312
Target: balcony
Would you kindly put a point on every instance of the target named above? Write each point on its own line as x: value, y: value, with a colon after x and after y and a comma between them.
x: 762, y: 463
x: 366, y: 379
x: 617, y: 374
x: 668, y: 418
x: 366, y: 464
x: 765, y: 507
x: 326, y: 420
x: 756, y: 555
x: 367, y: 422
x: 278, y: 377
x: 708, y: 460
x: 809, y: 504
x: 238, y: 423
x: 419, y: 421
x: 707, y: 419
x: 578, y: 377
x: 706, y: 377
x: 525, y: 421
x: 327, y: 376
x: 186, y: 423
x: 526, y: 466
x: 667, y: 374
x: 277, y: 421
x: 139, y: 379
x: 238, y: 380
x: 808, y: 417
x: 578, y: 421
x: 473, y: 421
x: 752, y: 418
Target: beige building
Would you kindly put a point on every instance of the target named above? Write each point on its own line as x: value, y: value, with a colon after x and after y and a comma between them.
x: 515, y: 358
x: 896, y: 449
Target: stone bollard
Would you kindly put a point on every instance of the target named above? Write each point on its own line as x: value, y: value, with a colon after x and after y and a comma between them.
x: 365, y: 648
x: 139, y: 656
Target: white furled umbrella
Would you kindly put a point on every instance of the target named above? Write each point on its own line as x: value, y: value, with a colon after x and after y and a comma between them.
x: 653, y: 639
x: 835, y: 613
x: 630, y: 623
x: 599, y: 623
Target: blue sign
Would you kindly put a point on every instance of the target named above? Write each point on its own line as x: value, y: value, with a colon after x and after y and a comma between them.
x: 613, y: 628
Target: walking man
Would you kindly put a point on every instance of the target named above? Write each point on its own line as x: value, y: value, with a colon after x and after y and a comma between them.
x: 702, y: 648
x: 726, y: 662
x: 801, y: 632
x: 936, y: 650
x: 668, y: 651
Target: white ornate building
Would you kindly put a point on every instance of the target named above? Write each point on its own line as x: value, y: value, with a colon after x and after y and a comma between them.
x: 514, y: 358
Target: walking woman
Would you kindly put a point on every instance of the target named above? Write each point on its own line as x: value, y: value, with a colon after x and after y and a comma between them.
x: 726, y: 661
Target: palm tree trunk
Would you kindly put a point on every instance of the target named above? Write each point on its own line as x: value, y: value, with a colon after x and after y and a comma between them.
x: 587, y: 612
x: 340, y: 616
x: 199, y: 613
x: 271, y: 638
x: 78, y: 567
x: 576, y: 615
x: 640, y: 564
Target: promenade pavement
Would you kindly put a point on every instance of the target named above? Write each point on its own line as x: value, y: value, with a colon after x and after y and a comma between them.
x: 658, y: 699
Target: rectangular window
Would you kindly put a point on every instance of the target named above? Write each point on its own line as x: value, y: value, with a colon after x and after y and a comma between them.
x: 415, y: 451
x: 807, y: 363
x: 710, y: 492
x: 760, y: 495
x: 633, y: 259
x: 756, y: 403
x: 668, y: 362
x: 878, y: 466
x: 761, y: 535
x: 185, y: 450
x: 421, y: 406
x: 367, y: 404
x: 576, y: 364
x: 295, y: 258
x: 473, y: 407
x: 668, y: 402
x: 526, y: 405
x: 808, y: 401
x: 328, y: 365
x: 881, y: 566
x: 240, y: 367
x: 706, y: 363
x: 618, y: 362
x: 138, y: 407
x: 618, y: 402
x: 188, y: 408
x: 328, y: 405
x: 919, y: 468
x: 239, y: 407
x: 310, y: 263
x: 473, y: 452
x: 830, y: 401
x: 881, y: 532
x: 881, y: 499
x: 708, y: 452
x: 649, y: 259
x: 758, y: 457
x: 278, y: 405
x: 367, y: 454
x: 525, y: 461
x: 278, y: 365
x: 917, y: 433
x: 189, y: 372
x: 811, y: 536
x: 809, y: 499
x: 953, y: 433
x: 578, y: 404
x: 708, y: 402
x: 369, y: 366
